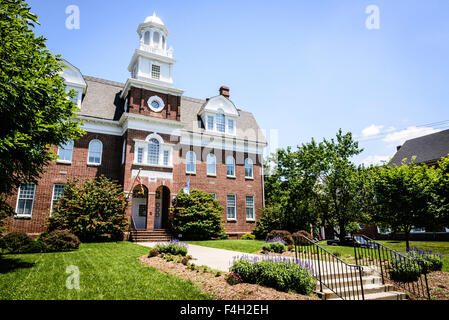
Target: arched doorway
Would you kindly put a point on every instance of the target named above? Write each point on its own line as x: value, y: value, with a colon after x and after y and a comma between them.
x: 162, y: 203
x: 139, y: 207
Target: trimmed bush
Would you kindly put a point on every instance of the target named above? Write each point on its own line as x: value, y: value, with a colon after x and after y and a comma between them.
x: 274, y: 245
x: 93, y: 211
x: 197, y: 216
x: 430, y: 261
x: 405, y: 271
x: 59, y: 240
x: 248, y: 236
x: 281, y: 274
x: 173, y: 247
x: 283, y: 234
x: 300, y: 240
x: 16, y: 242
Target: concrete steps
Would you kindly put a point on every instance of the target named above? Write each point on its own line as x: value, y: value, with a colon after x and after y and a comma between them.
x: 150, y: 236
x: 348, y: 287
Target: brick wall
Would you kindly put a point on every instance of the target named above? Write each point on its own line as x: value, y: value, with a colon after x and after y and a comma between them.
x: 138, y: 104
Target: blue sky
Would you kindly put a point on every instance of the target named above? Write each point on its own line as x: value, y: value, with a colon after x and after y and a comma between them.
x: 303, y: 68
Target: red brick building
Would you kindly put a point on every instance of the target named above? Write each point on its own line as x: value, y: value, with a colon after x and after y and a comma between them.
x: 147, y: 126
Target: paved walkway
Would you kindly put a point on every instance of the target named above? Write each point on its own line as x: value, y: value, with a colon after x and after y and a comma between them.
x: 221, y: 259
x: 214, y: 258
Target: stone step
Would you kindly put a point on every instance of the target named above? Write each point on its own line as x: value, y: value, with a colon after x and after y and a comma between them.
x: 388, y: 295
x: 351, y: 292
x: 350, y: 281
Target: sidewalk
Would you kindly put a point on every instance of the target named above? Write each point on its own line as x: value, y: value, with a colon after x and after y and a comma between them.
x: 214, y: 258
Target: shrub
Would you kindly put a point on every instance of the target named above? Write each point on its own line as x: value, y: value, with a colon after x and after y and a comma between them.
x: 274, y: 245
x: 430, y: 261
x: 153, y: 253
x: 273, y: 217
x: 173, y: 247
x: 197, y: 216
x: 233, y: 278
x: 248, y: 236
x: 59, y: 240
x: 283, y: 274
x: 16, y: 242
x: 93, y: 211
x: 404, y: 271
x: 283, y: 234
x: 300, y: 240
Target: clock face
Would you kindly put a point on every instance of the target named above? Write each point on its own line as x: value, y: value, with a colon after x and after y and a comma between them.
x: 155, y: 104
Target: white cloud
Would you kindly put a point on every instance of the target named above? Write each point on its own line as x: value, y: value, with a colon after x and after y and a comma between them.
x: 375, y: 160
x: 372, y: 130
x: 400, y: 137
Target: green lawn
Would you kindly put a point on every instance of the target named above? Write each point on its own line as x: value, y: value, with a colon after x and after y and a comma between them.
x: 247, y: 246
x: 107, y: 271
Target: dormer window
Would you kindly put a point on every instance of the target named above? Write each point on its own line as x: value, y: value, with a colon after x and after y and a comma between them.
x: 231, y: 126
x: 210, y: 123
x: 155, y: 71
x: 221, y: 121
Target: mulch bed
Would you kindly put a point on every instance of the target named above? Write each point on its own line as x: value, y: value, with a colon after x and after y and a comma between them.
x: 217, y: 286
x: 439, y: 285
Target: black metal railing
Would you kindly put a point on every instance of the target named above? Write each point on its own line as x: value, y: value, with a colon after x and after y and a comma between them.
x: 398, y: 269
x: 132, y: 230
x: 341, y: 278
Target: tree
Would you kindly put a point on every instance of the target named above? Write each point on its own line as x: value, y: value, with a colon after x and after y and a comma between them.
x: 440, y: 192
x: 197, y: 216
x: 93, y: 211
x: 34, y: 110
x: 402, y: 197
x: 315, y: 185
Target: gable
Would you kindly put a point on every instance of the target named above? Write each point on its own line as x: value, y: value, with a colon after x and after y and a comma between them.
x: 220, y: 102
x: 72, y: 76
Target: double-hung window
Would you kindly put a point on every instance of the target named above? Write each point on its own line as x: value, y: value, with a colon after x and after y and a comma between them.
x: 139, y: 155
x: 211, y: 164
x: 230, y: 166
x: 231, y: 207
x: 153, y: 152
x: 190, y: 162
x: 95, y: 152
x: 248, y: 168
x: 221, y: 123
x: 210, y: 123
x: 25, y: 199
x: 249, y: 207
x: 58, y: 191
x: 65, y: 151
x: 166, y: 155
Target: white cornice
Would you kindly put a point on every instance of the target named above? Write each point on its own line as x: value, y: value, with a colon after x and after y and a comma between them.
x: 149, y: 86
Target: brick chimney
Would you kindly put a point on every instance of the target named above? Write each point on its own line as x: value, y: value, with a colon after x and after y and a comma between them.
x: 224, y: 91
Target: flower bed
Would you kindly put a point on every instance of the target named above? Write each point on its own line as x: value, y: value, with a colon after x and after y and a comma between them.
x: 277, y: 272
x: 174, y: 247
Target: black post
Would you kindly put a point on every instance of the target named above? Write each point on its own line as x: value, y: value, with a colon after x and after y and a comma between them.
x: 380, y: 262
x: 319, y: 268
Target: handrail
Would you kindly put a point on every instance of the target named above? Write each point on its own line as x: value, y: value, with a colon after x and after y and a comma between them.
x: 388, y: 261
x: 345, y: 280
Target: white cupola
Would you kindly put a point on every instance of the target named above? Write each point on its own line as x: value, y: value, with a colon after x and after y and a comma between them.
x: 152, y: 62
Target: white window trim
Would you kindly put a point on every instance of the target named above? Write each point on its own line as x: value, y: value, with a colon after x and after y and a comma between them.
x: 214, y: 174
x: 53, y: 196
x: 162, y: 148
x: 228, y: 175
x: 101, y: 154
x: 71, y: 157
x: 194, y: 162
x: 235, y: 207
x: 254, y: 208
x: 17, y: 215
x: 252, y: 169
x: 124, y: 152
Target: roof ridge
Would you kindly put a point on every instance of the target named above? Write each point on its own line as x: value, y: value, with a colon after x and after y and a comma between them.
x: 104, y: 81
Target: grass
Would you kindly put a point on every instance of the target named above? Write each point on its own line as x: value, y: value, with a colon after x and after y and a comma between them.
x: 247, y: 246
x: 107, y: 271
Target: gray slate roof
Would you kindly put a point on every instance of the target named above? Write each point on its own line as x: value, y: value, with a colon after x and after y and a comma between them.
x: 427, y: 148
x: 102, y: 100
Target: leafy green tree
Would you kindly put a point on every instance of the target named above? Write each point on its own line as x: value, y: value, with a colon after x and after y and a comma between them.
x: 440, y: 192
x: 197, y: 216
x: 34, y: 110
x: 93, y: 211
x: 402, y: 197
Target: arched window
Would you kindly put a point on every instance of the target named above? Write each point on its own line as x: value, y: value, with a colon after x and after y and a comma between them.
x: 146, y: 38
x: 211, y: 164
x: 230, y: 166
x: 153, y: 151
x: 95, y: 151
x: 65, y: 151
x: 190, y: 162
x: 248, y: 168
x: 156, y: 39
x: 221, y: 125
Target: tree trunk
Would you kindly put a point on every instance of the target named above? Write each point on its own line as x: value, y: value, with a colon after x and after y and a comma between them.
x: 342, y: 231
